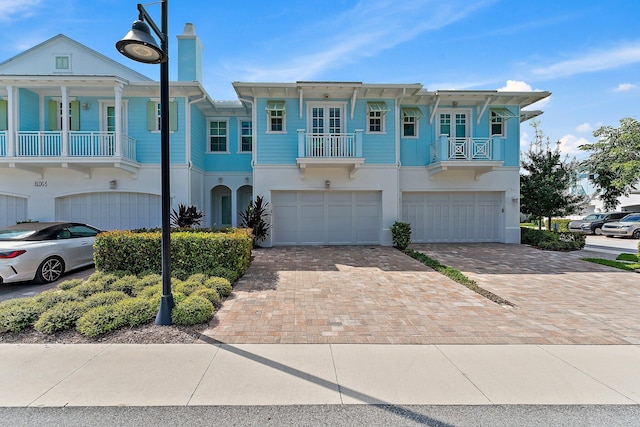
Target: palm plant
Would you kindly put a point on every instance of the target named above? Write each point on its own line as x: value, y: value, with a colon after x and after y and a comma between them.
x: 253, y: 218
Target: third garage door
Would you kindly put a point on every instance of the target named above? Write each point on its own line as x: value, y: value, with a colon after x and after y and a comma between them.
x: 453, y: 216
x: 326, y: 217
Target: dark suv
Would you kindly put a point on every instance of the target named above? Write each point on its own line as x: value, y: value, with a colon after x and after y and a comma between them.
x: 592, y: 224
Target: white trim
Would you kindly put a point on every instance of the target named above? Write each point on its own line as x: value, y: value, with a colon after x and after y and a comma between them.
x: 327, y: 104
x: 239, y: 120
x: 453, y: 111
x: 102, y: 106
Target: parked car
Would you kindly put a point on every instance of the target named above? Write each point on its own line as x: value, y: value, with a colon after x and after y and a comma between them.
x: 43, y: 251
x: 629, y: 226
x: 592, y: 224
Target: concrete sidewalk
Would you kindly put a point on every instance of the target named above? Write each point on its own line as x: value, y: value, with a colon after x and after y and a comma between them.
x: 287, y: 374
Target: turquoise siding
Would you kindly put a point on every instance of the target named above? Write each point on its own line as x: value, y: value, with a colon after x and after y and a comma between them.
x: 198, y: 137
x: 377, y: 148
x: 232, y: 160
x: 278, y: 148
x: 29, y: 110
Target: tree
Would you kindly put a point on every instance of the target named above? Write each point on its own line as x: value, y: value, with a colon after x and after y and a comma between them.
x: 545, y: 185
x: 614, y: 161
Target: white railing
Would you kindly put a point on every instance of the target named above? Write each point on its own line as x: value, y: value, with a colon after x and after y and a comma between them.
x: 3, y: 143
x: 329, y: 145
x: 80, y: 144
x: 465, y: 149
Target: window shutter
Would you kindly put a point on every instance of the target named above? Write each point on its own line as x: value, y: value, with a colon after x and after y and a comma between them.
x: 173, y: 116
x: 3, y: 115
x: 52, y: 119
x: 75, y: 115
x: 151, y: 116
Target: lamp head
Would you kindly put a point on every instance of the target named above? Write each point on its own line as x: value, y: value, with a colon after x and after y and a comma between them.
x: 138, y: 44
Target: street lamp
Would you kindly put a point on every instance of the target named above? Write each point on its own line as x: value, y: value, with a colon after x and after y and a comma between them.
x: 139, y: 45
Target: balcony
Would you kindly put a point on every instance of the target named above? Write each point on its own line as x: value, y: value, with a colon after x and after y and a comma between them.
x: 479, y: 155
x: 80, y: 151
x: 330, y: 150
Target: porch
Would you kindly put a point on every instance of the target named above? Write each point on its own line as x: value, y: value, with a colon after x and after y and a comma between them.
x: 330, y: 150
x: 480, y: 155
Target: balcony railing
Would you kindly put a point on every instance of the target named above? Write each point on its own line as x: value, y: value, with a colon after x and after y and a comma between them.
x: 80, y: 145
x: 465, y: 149
x: 329, y: 145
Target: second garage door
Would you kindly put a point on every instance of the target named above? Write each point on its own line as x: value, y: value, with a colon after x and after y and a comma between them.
x: 454, y: 216
x: 326, y: 217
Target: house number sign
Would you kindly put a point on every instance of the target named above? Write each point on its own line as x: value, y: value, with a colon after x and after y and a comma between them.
x: 41, y: 183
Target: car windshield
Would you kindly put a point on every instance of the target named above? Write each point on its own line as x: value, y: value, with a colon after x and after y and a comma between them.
x: 631, y: 218
x: 592, y: 217
x: 15, y: 234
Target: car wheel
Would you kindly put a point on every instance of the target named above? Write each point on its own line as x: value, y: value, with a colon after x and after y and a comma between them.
x: 598, y: 231
x: 50, y: 270
x: 636, y: 234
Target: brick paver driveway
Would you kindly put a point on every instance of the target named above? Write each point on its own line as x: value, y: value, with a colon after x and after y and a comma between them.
x: 379, y: 295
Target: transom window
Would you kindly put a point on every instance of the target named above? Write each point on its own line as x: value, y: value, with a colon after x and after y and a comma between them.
x: 246, y: 135
x: 218, y: 136
x: 376, y: 111
x: 276, y: 116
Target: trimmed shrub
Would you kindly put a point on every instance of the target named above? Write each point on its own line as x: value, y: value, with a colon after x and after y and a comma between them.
x: 548, y: 240
x: 99, y: 321
x: 18, y: 314
x: 198, y: 277
x: 230, y: 275
x: 124, y: 284
x: 192, y: 311
x: 105, y: 298
x: 87, y: 289
x: 60, y: 317
x: 52, y: 297
x: 210, y: 294
x: 136, y: 311
x: 151, y: 291
x: 147, y: 281
x: 70, y: 284
x: 401, y: 234
x: 188, y: 287
x: 220, y: 284
x: 562, y: 224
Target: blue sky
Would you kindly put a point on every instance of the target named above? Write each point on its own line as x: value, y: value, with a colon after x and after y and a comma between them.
x: 587, y: 53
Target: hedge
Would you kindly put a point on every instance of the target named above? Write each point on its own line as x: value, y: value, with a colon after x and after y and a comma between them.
x: 548, y: 240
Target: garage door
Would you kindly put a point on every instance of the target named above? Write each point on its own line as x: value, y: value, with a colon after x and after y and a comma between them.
x: 12, y: 210
x: 454, y: 216
x: 326, y: 217
x: 111, y: 211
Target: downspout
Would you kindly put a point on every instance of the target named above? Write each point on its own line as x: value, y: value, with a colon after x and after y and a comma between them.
x: 188, y: 145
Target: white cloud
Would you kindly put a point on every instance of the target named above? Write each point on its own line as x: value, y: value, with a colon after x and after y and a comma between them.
x: 584, y: 127
x: 604, y: 59
x: 624, y: 87
x: 569, y: 145
x: 516, y: 86
x: 16, y: 9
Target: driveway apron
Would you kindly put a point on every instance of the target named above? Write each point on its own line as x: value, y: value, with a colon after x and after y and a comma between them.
x: 361, y: 294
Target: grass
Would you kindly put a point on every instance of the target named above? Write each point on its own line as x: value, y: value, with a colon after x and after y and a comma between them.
x: 457, y: 276
x: 627, y: 257
x: 628, y: 262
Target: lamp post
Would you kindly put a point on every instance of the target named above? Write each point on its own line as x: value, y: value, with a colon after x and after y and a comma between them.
x: 138, y: 44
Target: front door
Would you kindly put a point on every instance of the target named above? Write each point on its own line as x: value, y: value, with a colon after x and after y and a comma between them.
x: 325, y: 125
x: 455, y: 125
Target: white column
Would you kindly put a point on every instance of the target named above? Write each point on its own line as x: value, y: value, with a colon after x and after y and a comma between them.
x: 11, y: 122
x: 65, y: 121
x: 234, y: 208
x: 118, y: 125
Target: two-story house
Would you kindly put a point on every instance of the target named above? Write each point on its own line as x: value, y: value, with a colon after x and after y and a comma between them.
x: 338, y: 162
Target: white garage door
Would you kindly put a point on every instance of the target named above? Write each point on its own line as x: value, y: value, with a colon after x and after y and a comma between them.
x: 326, y: 217
x: 111, y: 211
x: 12, y: 210
x: 454, y: 216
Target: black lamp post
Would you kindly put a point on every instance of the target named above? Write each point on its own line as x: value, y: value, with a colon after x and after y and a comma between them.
x: 139, y: 45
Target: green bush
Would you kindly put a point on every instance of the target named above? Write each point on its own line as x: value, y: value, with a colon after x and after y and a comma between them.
x: 52, y: 297
x: 147, y: 281
x: 18, y: 314
x: 124, y: 284
x: 87, y: 289
x: 192, y: 311
x: 210, y: 294
x: 563, y: 224
x: 548, y: 240
x: 60, y: 317
x: 105, y: 298
x: 401, y: 234
x: 220, y: 284
x: 226, y: 273
x: 99, y: 321
x: 70, y: 284
x: 188, y: 287
x: 105, y: 279
x: 136, y: 311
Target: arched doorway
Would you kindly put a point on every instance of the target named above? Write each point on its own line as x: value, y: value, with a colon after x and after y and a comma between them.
x: 221, y: 206
x: 245, y: 195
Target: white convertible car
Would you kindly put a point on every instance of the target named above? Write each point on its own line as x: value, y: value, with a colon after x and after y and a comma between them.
x: 43, y: 251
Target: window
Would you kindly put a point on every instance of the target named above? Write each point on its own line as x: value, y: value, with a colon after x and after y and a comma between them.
x: 276, y: 116
x: 154, y: 117
x: 499, y: 116
x: 217, y: 136
x: 410, y: 117
x: 246, y: 135
x: 376, y: 111
x: 3, y: 115
x: 55, y: 114
x: 62, y: 63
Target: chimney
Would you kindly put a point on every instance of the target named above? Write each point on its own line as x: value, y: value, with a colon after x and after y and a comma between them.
x: 189, y: 55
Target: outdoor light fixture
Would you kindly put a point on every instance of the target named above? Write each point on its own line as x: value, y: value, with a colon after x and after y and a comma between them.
x: 138, y: 44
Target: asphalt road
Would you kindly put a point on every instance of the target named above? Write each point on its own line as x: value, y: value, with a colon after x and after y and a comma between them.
x: 327, y: 415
